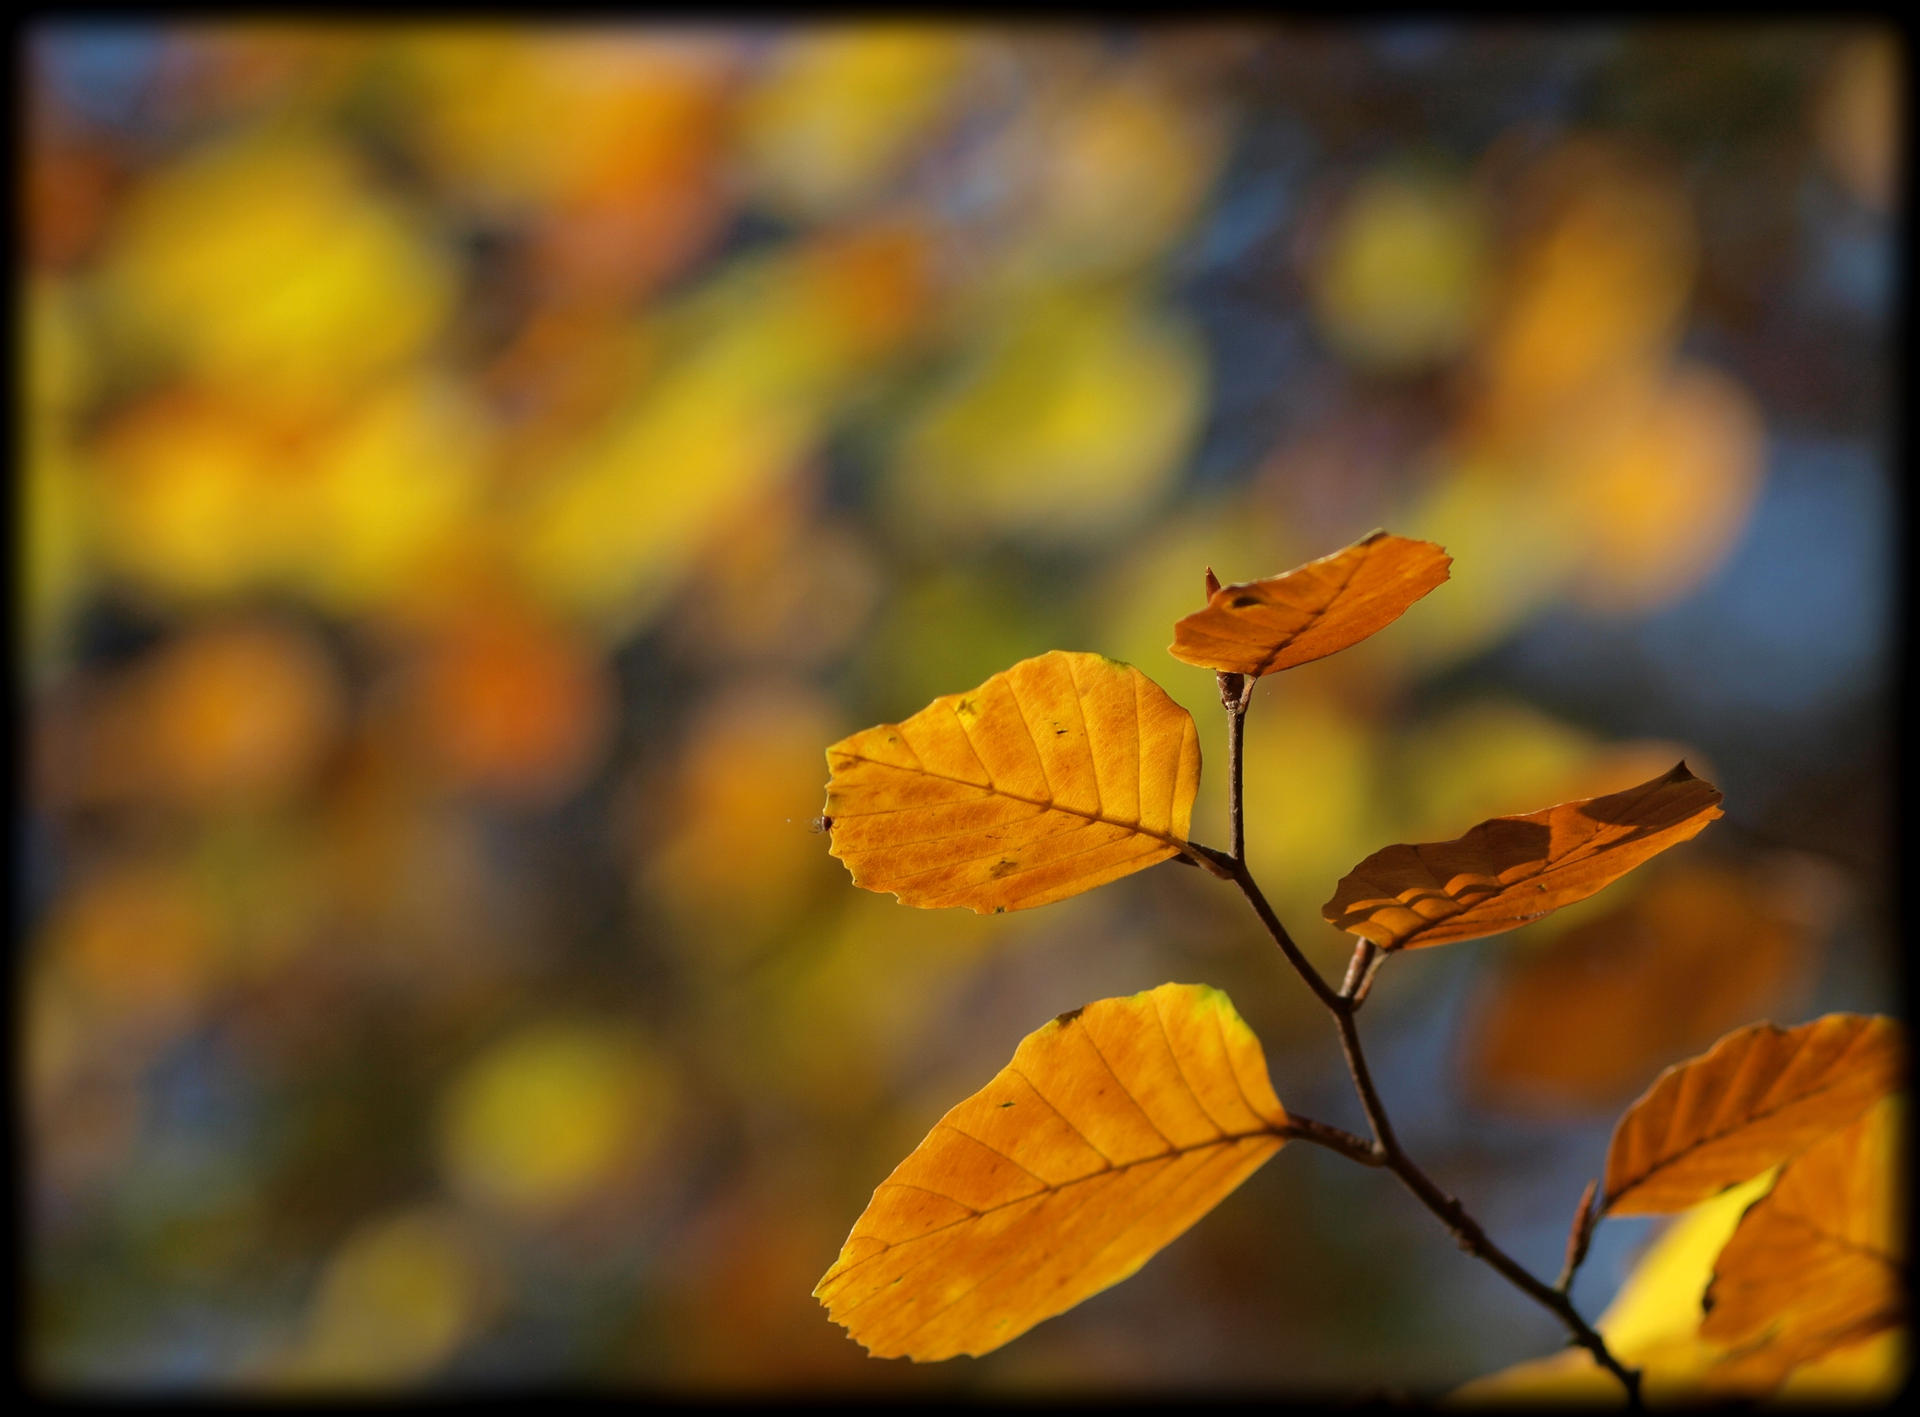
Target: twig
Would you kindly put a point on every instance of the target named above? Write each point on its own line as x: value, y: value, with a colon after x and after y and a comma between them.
x: 1385, y: 1150
x: 1579, y: 1236
x: 1236, y: 693
x: 1322, y: 990
x: 1366, y: 959
x: 1335, y: 1139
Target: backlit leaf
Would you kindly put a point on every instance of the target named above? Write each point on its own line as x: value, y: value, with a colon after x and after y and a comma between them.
x: 1754, y: 1099
x: 1815, y: 1264
x: 1259, y: 627
x: 1510, y: 870
x: 1113, y: 1129
x: 1057, y: 775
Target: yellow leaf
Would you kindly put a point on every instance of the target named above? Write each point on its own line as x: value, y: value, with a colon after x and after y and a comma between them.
x: 1261, y: 627
x: 1113, y: 1129
x: 1815, y: 1264
x: 1510, y: 870
x: 1055, y: 776
x: 1752, y: 1100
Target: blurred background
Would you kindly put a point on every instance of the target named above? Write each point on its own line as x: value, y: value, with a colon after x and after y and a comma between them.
x: 470, y: 474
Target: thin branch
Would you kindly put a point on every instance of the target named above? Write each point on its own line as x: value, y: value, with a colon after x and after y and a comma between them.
x: 1370, y: 1101
x: 1359, y: 969
x: 1386, y: 1150
x: 1209, y: 858
x: 1367, y: 976
x: 1334, y: 1138
x: 1302, y: 965
x: 1579, y: 1236
x: 1236, y: 693
x: 1466, y: 1230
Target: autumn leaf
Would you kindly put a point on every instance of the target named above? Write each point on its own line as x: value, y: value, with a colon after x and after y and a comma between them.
x: 1816, y: 1263
x: 1754, y: 1099
x: 1511, y: 870
x: 1053, y: 777
x: 1113, y: 1129
x: 1261, y: 627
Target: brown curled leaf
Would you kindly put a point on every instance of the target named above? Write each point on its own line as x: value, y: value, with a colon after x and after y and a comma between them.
x: 1114, y: 1128
x: 1512, y: 870
x: 1260, y: 627
x: 1055, y: 776
x: 1755, y: 1098
x: 1816, y: 1263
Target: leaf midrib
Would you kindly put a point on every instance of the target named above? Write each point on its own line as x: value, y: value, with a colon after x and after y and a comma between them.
x: 1111, y: 1169
x: 993, y: 790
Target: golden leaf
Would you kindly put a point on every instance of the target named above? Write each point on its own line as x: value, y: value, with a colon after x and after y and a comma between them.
x: 1815, y: 1264
x: 1510, y: 870
x: 1053, y: 777
x: 1261, y: 627
x: 1113, y: 1129
x: 1754, y: 1099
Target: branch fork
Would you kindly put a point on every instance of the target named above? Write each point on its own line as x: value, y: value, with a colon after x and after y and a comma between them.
x: 1384, y: 1151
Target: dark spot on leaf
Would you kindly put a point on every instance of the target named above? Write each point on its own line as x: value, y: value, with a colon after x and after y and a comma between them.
x: 1059, y: 732
x: 1069, y: 1016
x: 1241, y: 602
x: 1006, y: 1104
x: 1002, y: 867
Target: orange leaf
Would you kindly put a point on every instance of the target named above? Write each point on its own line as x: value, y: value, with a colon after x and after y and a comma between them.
x: 1113, y: 1129
x: 1755, y: 1098
x: 1055, y: 776
x: 1260, y: 627
x: 1815, y: 1264
x: 1511, y: 870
